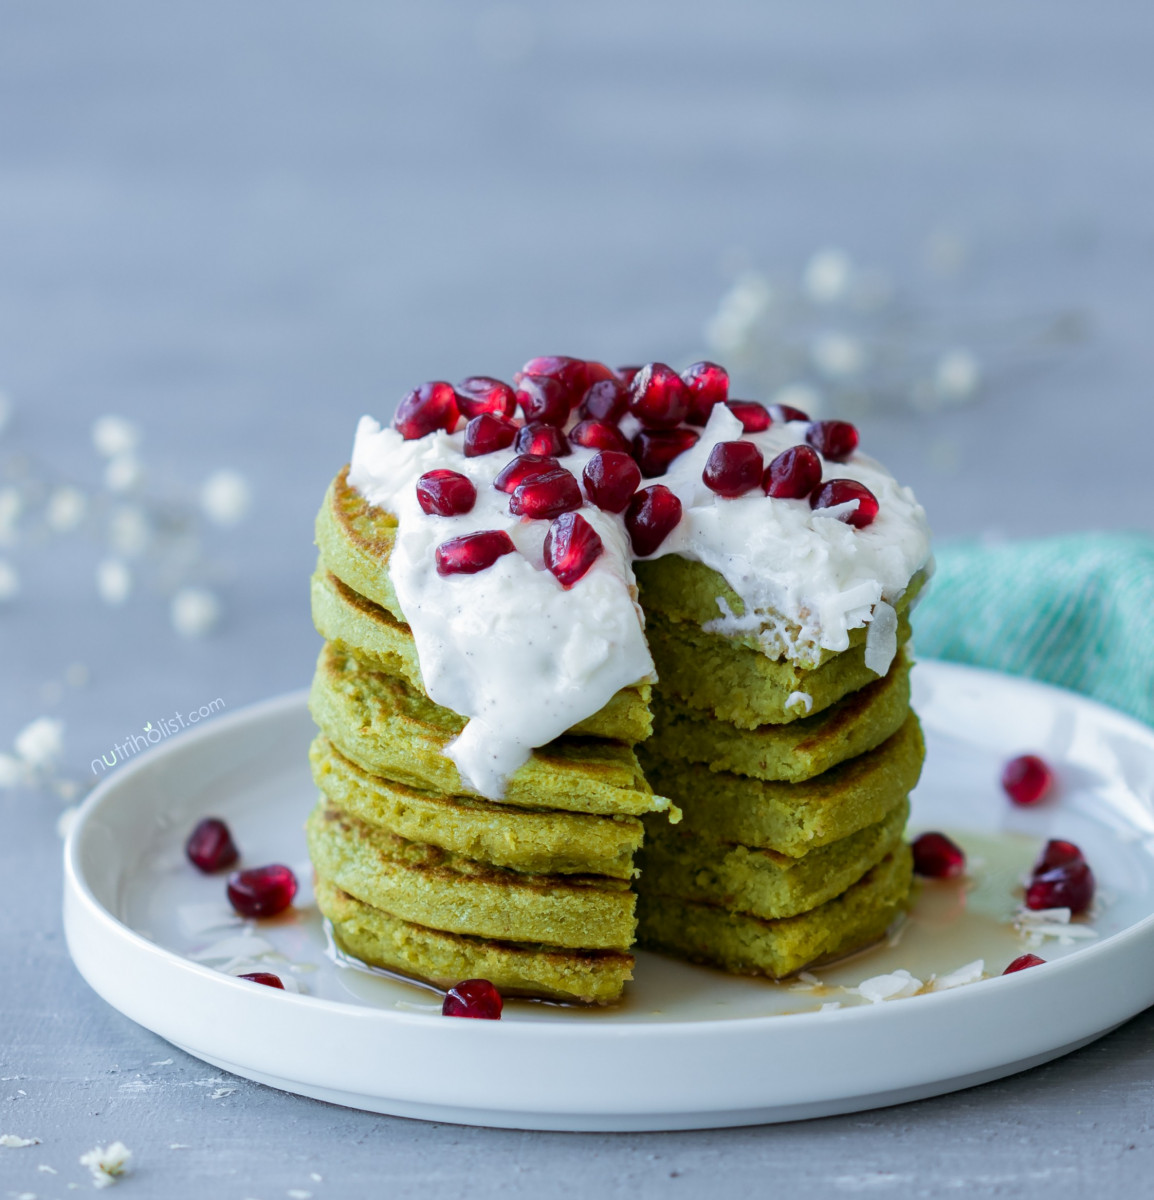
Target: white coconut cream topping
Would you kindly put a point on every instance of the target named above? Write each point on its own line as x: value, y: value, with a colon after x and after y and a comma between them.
x: 525, y: 659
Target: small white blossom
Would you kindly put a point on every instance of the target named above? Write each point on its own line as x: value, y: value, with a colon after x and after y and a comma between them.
x: 225, y: 497
x: 115, y: 435
x: 122, y: 473
x: 5, y: 411
x: 957, y: 376
x: 113, y: 581
x: 11, y: 1142
x: 129, y: 531
x: 12, y: 771
x: 9, y: 581
x: 838, y: 355
x: 739, y: 311
x: 106, y: 1163
x: 77, y: 675
x: 41, y: 741
x: 11, y: 506
x: 195, y: 611
x: 895, y: 986
x: 827, y: 276
x: 66, y: 509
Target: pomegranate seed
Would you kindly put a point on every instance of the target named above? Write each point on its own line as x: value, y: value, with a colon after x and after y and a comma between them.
x: 937, y: 857
x: 265, y: 977
x: 599, y: 435
x: 486, y: 433
x: 541, y: 439
x: 544, y: 400
x: 793, y: 474
x: 652, y: 516
x: 708, y: 385
x: 524, y: 466
x: 571, y: 375
x: 597, y: 372
x: 655, y: 449
x: 657, y: 397
x: 754, y: 417
x: 426, y: 408
x: 611, y: 478
x: 445, y: 493
x: 841, y: 491
x: 1027, y: 779
x: 1022, y: 962
x: 605, y: 400
x: 546, y: 496
x: 835, y: 440
x: 262, y: 891
x: 786, y: 413
x: 1057, y: 853
x: 473, y: 998
x: 625, y: 374
x: 733, y: 468
x: 473, y: 552
x: 210, y: 846
x: 480, y: 394
x: 1069, y: 886
x: 572, y: 546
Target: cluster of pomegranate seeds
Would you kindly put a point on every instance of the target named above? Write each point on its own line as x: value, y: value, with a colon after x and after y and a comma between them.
x: 793, y: 474
x: 1022, y: 962
x: 427, y: 408
x: 524, y: 466
x: 841, y: 491
x: 754, y: 417
x: 1061, y: 879
x: 733, y: 468
x: 445, y: 493
x: 540, y: 438
x: 655, y: 449
x: 486, y: 433
x: 210, y: 846
x: 472, y: 552
x: 571, y: 547
x: 835, y: 440
x: 265, y: 977
x: 546, y: 496
x: 262, y: 891
x: 651, y: 517
x: 708, y: 385
x: 605, y: 400
x: 659, y: 397
x: 937, y: 857
x: 611, y: 478
x: 1027, y: 779
x: 473, y: 998
x: 480, y: 394
x: 598, y: 435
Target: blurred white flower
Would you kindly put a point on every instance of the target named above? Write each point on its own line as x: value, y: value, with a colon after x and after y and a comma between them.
x: 802, y: 396
x: 77, y: 675
x: 12, y: 771
x: 195, y: 611
x: 9, y: 581
x: 107, y: 1164
x: 113, y: 581
x: 945, y: 252
x: 225, y: 497
x: 6, y: 409
x: 838, y: 355
x: 128, y: 530
x: 113, y: 436
x: 66, y: 509
x: 41, y: 741
x: 11, y: 506
x: 740, y: 309
x: 827, y: 276
x: 957, y: 376
x: 122, y: 473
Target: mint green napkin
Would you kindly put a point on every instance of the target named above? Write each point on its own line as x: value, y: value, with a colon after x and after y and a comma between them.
x: 1076, y: 610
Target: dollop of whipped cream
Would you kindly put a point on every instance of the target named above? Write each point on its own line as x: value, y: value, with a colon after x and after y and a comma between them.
x: 524, y: 659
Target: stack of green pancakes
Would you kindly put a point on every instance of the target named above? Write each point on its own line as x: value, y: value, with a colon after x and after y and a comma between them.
x: 415, y: 873
x: 793, y: 779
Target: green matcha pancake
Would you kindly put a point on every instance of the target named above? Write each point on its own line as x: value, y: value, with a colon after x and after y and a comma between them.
x: 793, y: 818
x: 389, y: 728
x: 747, y: 945
x: 431, y: 887
x: 381, y: 939
x: 760, y: 882
x: 350, y: 621
x: 540, y: 842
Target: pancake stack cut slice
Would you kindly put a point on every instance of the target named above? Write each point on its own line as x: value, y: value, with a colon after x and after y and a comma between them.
x: 417, y: 874
x: 793, y: 780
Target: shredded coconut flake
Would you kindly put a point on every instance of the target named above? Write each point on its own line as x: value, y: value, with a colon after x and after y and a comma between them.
x: 881, y: 638
x: 799, y: 699
x: 11, y: 1142
x: 970, y: 973
x: 830, y: 1005
x: 895, y: 986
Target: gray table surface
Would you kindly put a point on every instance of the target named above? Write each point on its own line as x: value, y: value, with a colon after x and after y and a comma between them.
x: 244, y: 225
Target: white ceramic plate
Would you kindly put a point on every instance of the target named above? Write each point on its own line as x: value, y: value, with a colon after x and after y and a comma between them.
x: 691, y: 1047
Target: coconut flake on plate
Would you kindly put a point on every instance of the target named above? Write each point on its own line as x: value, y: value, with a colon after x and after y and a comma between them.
x: 895, y: 986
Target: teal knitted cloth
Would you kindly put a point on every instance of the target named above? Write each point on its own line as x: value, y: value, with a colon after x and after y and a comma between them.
x: 1077, y: 611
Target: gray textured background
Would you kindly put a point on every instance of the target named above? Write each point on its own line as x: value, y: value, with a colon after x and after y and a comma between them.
x: 244, y: 225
